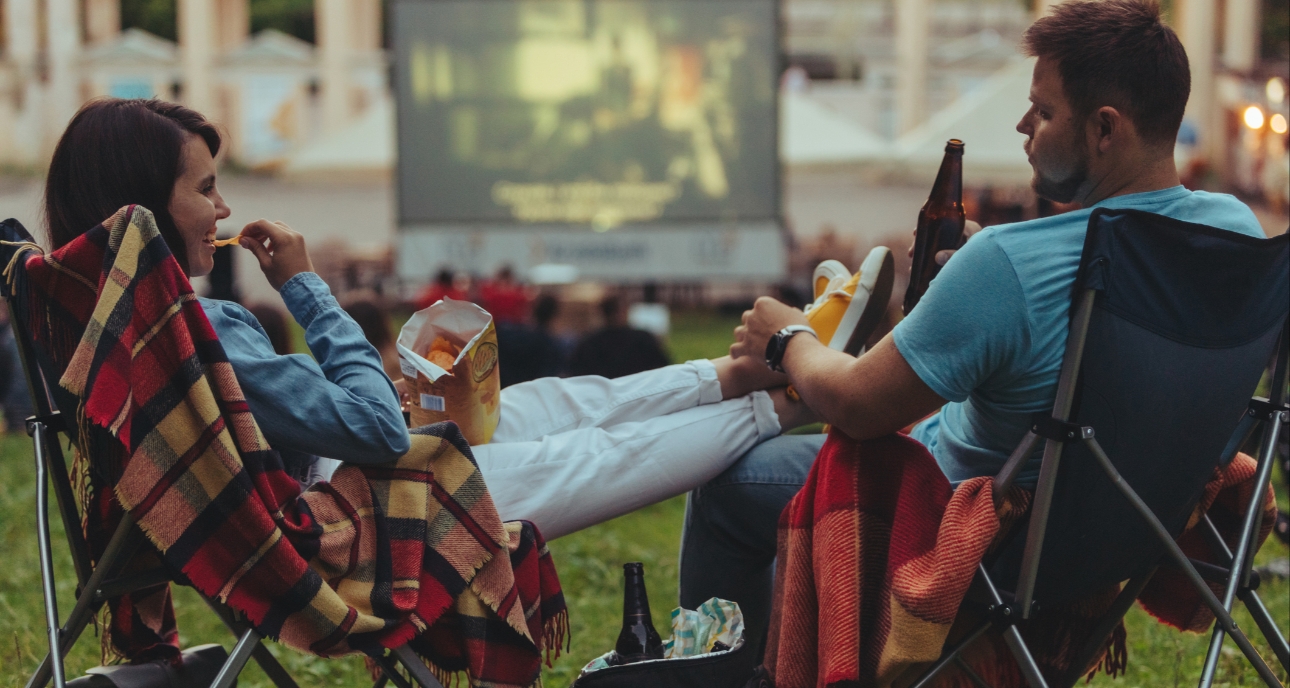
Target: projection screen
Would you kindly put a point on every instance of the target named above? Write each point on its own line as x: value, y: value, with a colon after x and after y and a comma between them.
x: 633, y: 139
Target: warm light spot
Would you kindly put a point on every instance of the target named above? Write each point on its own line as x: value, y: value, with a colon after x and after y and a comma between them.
x: 1276, y: 90
x: 1278, y: 123
x: 1254, y: 117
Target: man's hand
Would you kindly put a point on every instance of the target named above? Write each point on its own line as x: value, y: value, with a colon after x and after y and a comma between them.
x: 767, y: 317
x: 942, y: 257
x: 279, y: 249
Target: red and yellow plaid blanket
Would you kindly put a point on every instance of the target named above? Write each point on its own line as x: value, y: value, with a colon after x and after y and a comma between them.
x: 877, y: 552
x: 411, y: 551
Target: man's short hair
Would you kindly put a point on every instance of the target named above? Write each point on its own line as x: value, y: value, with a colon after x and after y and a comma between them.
x: 1117, y: 53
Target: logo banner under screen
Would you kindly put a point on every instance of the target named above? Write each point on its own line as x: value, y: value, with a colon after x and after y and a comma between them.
x: 588, y: 116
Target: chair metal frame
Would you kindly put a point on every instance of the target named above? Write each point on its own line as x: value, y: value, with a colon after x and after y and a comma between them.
x: 97, y: 583
x: 1238, y: 578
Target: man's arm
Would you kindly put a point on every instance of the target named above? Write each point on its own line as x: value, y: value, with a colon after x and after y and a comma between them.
x: 866, y: 397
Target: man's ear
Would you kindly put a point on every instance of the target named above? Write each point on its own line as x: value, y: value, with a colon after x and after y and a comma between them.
x: 1108, y: 127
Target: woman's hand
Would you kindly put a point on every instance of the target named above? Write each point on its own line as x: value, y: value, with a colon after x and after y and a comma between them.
x: 280, y: 250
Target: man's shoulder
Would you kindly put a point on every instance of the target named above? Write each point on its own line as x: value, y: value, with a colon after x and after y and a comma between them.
x: 1221, y: 210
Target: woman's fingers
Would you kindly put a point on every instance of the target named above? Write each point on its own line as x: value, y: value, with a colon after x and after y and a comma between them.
x: 280, y: 250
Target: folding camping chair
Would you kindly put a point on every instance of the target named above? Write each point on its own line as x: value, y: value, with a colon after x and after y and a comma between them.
x: 97, y: 582
x: 1172, y: 327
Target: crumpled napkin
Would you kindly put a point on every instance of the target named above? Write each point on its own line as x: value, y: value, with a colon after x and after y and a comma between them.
x: 697, y: 632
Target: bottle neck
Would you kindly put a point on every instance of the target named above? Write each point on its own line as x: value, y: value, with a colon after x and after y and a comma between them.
x: 949, y: 179
x: 635, y: 600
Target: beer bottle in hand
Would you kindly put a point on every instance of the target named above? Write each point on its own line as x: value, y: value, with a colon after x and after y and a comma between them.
x: 638, y: 640
x: 940, y: 223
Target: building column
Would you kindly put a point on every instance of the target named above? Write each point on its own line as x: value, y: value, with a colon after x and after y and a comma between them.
x: 1241, y: 35
x: 102, y: 21
x: 198, y: 42
x: 366, y: 34
x: 62, y: 45
x: 331, y: 31
x: 21, y: 116
x: 1197, y: 28
x: 234, y: 23
x: 913, y: 29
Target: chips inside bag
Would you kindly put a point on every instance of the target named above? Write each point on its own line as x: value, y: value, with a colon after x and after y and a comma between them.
x: 448, y: 355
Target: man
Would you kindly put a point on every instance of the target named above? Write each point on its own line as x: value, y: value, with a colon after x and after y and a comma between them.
x: 985, y: 343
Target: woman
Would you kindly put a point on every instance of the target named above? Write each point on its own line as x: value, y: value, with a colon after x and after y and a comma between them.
x: 567, y: 454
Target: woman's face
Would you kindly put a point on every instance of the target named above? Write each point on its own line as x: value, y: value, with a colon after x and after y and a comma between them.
x: 195, y: 205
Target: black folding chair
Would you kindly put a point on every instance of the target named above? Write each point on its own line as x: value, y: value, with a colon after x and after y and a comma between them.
x: 1172, y: 327
x: 98, y: 582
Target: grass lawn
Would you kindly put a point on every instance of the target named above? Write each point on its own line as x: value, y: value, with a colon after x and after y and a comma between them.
x: 590, y: 565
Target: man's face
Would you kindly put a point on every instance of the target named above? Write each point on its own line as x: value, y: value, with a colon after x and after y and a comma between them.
x: 1055, y: 142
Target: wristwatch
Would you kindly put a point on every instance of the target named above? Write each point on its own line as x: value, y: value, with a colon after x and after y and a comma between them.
x: 778, y: 343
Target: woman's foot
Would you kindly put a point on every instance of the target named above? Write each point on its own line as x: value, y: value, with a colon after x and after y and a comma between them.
x: 745, y: 375
x: 793, y: 413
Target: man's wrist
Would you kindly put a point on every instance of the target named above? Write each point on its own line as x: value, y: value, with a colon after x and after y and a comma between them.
x: 790, y: 348
x: 777, y: 345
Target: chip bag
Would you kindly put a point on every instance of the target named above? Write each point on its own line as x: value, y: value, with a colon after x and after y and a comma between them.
x: 448, y: 355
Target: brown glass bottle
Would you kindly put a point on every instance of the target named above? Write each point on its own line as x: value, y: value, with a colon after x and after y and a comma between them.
x: 940, y: 223
x: 638, y: 640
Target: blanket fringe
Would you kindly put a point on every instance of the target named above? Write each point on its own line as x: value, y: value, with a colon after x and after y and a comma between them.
x: 449, y: 679
x: 556, y: 634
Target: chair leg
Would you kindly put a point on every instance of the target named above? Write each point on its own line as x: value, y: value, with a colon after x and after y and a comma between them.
x: 237, y: 659
x: 120, y: 549
x: 972, y: 675
x: 1029, y: 669
x: 1243, y: 557
x: 1180, y: 559
x: 391, y: 670
x: 268, y: 663
x: 416, y: 668
x: 951, y: 655
x: 1097, y: 639
x: 1271, y: 631
x: 37, y: 430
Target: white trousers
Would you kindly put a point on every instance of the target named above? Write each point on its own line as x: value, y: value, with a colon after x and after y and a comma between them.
x: 573, y: 452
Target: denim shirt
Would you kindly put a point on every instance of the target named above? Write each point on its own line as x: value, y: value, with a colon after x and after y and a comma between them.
x: 341, y: 406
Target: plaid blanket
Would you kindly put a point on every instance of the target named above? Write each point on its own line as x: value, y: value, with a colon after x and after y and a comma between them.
x: 878, y: 533
x: 410, y: 551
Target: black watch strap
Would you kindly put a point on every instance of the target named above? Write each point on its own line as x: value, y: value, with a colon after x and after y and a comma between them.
x: 778, y: 344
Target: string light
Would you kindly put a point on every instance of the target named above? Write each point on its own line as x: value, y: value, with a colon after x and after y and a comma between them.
x: 1253, y: 117
x: 1278, y: 123
x: 1276, y: 90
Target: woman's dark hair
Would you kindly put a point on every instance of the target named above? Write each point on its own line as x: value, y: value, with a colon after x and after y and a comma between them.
x: 275, y: 325
x: 117, y: 152
x: 374, y: 320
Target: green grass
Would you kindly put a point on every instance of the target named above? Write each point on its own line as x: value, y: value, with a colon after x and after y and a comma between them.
x: 590, y: 565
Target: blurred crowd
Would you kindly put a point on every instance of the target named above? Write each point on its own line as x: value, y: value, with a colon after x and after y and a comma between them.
x: 541, y: 331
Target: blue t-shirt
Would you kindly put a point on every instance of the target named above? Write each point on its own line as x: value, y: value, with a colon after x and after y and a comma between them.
x: 990, y: 333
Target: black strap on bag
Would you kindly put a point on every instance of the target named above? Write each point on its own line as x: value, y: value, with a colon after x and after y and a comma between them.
x: 200, y: 666
x: 733, y: 669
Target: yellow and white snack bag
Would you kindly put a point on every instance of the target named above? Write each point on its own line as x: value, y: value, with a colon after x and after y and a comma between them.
x: 448, y: 355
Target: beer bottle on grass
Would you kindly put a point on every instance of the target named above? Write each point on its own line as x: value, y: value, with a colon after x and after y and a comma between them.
x: 638, y: 640
x: 940, y: 223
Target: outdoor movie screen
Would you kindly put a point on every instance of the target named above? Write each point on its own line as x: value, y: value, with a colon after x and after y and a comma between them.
x: 596, y: 113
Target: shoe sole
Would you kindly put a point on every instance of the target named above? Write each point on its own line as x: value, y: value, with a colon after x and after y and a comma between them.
x: 864, y: 315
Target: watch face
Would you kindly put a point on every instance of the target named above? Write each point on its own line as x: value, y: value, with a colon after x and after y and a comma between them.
x: 775, y: 351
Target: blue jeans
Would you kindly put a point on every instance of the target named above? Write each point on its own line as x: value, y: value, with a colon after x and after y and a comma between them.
x: 728, y: 544
x: 15, y: 402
